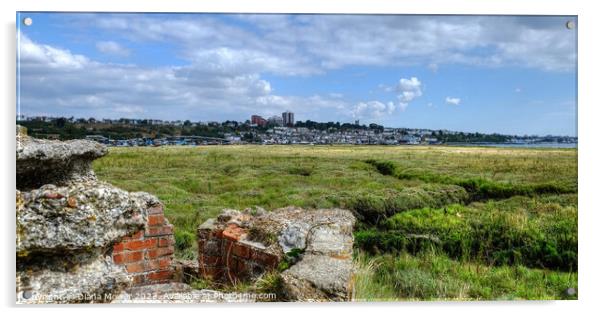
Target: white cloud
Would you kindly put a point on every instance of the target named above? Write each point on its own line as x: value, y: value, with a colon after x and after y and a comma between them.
x: 70, y: 84
x: 453, y: 101
x: 408, y: 89
x: 32, y: 54
x: 57, y: 82
x: 225, y: 60
x: 222, y: 67
x: 374, y: 110
x: 320, y: 42
x: 517, y: 90
x: 112, y: 48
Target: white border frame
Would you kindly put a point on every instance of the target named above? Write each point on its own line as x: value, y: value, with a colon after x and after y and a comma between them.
x: 588, y: 130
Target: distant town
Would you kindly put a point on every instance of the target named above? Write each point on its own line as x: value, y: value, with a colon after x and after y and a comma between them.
x: 276, y: 129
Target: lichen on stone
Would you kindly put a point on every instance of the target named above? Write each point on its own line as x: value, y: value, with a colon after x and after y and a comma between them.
x: 67, y: 221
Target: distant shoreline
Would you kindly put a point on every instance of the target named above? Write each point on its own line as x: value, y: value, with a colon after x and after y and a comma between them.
x: 517, y: 145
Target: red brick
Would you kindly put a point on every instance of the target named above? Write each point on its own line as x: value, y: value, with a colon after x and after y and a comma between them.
x: 266, y: 259
x: 151, y: 265
x: 233, y: 232
x: 135, y: 236
x: 118, y: 247
x: 165, y: 241
x: 211, y: 260
x: 218, y: 233
x: 155, y: 220
x: 160, y: 275
x: 241, y: 267
x: 127, y: 257
x: 158, y: 264
x: 241, y: 250
x: 118, y: 258
x: 159, y: 231
x: 159, y: 252
x: 141, y: 244
x: 135, y: 267
x: 164, y: 263
x: 232, y: 265
x: 152, y: 253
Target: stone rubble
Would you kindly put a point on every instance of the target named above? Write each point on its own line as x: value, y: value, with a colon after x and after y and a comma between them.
x: 323, y: 239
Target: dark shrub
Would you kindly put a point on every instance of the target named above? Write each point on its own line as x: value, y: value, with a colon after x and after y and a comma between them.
x: 385, y: 167
x: 184, y: 239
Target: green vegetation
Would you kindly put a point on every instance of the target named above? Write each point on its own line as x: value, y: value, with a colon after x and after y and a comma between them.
x: 432, y: 276
x: 538, y: 232
x: 478, y: 188
x: 184, y: 243
x: 433, y: 222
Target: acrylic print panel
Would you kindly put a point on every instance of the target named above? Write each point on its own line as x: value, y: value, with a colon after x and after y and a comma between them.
x: 168, y: 158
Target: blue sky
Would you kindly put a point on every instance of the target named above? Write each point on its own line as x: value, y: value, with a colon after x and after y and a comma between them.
x: 505, y: 74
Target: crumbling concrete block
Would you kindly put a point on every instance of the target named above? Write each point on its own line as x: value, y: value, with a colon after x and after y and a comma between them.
x: 80, y: 239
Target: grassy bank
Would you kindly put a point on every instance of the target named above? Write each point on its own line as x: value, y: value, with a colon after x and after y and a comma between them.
x: 535, y: 232
x: 495, y: 208
x: 432, y: 276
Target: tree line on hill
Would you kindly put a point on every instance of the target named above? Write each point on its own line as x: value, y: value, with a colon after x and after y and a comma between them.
x: 69, y: 128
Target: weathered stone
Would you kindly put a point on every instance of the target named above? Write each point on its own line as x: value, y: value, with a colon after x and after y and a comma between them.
x: 42, y: 162
x: 293, y: 236
x: 84, y: 215
x: 333, y: 239
x: 317, y: 277
x: 79, y: 278
x: 68, y: 223
x: 207, y: 225
x: 227, y: 215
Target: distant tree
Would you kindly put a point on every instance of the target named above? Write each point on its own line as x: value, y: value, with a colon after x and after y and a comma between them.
x: 60, y: 122
x: 376, y: 127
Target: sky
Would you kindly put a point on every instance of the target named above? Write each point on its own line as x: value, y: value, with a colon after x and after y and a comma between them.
x: 490, y: 74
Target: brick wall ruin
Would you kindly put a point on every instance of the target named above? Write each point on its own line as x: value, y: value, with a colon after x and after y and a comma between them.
x: 147, y: 255
x: 310, y: 249
x: 226, y: 255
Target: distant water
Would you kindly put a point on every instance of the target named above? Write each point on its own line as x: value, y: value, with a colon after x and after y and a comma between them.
x: 521, y: 145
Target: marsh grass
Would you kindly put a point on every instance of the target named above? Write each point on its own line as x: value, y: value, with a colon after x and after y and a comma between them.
x: 533, y: 232
x: 432, y: 276
x: 498, y: 209
x: 478, y: 188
